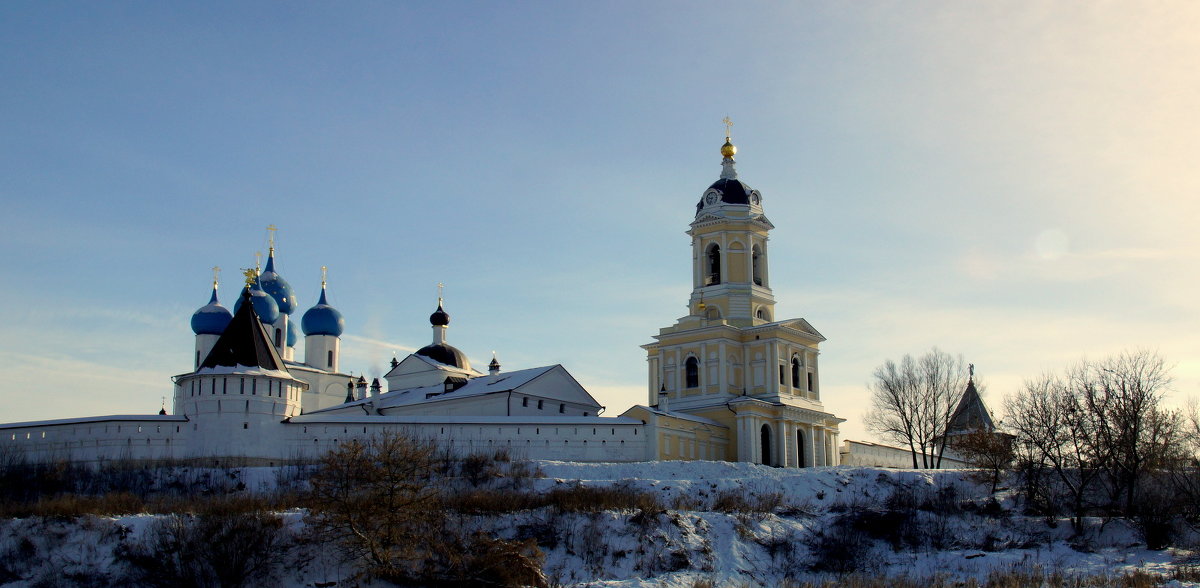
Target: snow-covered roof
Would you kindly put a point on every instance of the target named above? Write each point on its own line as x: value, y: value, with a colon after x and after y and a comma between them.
x: 502, y: 382
x: 243, y: 370
x: 304, y: 367
x: 442, y: 366
x: 317, y: 417
x: 675, y: 415
x: 124, y: 418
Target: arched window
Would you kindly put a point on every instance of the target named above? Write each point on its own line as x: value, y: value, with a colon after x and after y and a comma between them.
x: 714, y: 265
x: 691, y: 373
x: 765, y: 436
x: 799, y: 448
x: 761, y: 313
x: 755, y: 261
x: 795, y: 372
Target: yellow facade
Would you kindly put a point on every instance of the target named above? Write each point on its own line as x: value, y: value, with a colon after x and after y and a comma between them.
x: 728, y: 364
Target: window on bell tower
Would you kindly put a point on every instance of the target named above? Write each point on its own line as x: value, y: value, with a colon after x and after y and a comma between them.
x: 756, y: 264
x: 795, y: 372
x: 714, y: 265
x: 691, y: 373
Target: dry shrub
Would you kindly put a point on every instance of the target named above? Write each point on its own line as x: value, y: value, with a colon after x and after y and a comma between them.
x: 843, y: 547
x: 580, y: 498
x: 731, y: 501
x: 488, y: 561
x: 492, y: 501
x: 211, y: 549
x: 379, y: 500
x: 738, y: 501
x: 479, y: 469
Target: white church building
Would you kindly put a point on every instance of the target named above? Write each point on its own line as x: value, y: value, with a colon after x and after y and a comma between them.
x: 728, y: 381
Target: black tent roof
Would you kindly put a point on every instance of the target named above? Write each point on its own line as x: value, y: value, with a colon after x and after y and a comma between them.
x: 971, y: 414
x: 244, y: 343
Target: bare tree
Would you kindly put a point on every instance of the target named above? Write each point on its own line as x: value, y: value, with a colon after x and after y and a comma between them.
x: 990, y: 451
x: 1096, y: 432
x: 912, y: 402
x: 384, y: 501
x: 379, y: 500
x: 1123, y: 394
x: 1060, y: 460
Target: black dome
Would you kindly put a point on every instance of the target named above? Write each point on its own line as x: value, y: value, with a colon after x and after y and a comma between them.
x: 447, y: 354
x: 439, y: 318
x: 732, y: 191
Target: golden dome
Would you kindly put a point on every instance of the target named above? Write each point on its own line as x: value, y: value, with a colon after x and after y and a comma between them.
x: 728, y: 149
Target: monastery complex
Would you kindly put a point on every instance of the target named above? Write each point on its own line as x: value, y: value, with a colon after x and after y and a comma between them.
x: 728, y: 381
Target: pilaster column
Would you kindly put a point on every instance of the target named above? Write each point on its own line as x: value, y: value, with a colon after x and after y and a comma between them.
x: 810, y: 447
x: 755, y: 440
x: 781, y: 441
x: 722, y: 369
x: 741, y: 439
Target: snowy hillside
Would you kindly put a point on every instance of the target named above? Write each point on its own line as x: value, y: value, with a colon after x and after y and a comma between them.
x: 719, y: 523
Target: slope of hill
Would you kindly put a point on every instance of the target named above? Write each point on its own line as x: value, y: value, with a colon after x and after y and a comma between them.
x: 713, y: 523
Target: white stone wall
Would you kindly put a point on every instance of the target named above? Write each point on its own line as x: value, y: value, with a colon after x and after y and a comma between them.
x: 581, y: 439
x: 106, y: 439
x: 858, y: 453
x: 97, y: 440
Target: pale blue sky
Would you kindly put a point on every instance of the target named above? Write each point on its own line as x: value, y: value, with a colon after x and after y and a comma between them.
x: 1014, y: 182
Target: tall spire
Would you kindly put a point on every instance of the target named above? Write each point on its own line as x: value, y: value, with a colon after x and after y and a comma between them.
x: 216, y: 281
x: 728, y: 150
x: 324, y: 276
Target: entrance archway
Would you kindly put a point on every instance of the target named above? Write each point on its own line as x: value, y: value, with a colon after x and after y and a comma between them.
x: 800, y: 449
x: 766, y: 444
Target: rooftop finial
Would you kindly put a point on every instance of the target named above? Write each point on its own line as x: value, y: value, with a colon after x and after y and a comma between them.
x: 257, y: 262
x: 971, y: 370
x: 324, y: 273
x: 216, y: 276
x: 251, y: 275
x: 728, y: 150
x: 441, y: 287
x: 271, y: 237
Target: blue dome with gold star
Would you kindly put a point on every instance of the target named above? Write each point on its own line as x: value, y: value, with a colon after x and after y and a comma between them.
x: 264, y: 305
x: 278, y: 288
x: 323, y: 319
x: 212, y: 318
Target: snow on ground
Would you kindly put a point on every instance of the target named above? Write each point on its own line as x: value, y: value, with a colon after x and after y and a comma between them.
x: 809, y: 500
x: 690, y: 541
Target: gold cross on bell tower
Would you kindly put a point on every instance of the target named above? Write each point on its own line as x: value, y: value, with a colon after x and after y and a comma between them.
x: 728, y: 126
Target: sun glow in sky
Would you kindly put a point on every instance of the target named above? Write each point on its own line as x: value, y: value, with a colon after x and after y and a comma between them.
x: 1012, y: 181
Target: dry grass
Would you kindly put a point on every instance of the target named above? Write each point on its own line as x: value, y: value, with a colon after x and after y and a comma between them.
x: 997, y: 579
x: 123, y: 503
